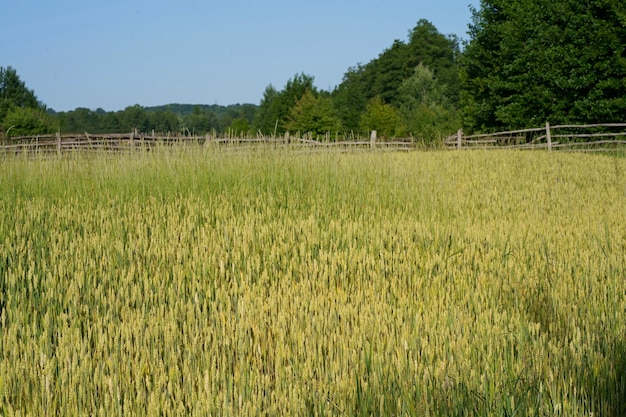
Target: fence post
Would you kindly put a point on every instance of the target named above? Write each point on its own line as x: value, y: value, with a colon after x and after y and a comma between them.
x: 287, y: 138
x: 373, y: 139
x: 548, y: 136
x: 59, y: 143
x: 132, y: 140
x: 459, y: 138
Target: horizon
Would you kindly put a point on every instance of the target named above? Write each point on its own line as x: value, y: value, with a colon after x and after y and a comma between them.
x: 119, y: 54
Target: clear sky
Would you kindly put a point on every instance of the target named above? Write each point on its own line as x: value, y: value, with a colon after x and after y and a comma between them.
x: 116, y: 53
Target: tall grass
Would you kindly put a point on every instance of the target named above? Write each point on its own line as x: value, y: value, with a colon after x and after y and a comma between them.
x: 202, y: 283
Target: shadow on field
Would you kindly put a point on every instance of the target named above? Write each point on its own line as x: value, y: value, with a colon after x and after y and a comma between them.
x: 607, y: 388
x: 603, y: 379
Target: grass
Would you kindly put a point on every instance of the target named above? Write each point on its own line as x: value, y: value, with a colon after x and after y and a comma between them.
x: 189, y: 282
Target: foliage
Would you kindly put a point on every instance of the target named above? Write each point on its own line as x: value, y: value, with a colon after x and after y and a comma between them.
x: 383, y: 76
x: 267, y: 116
x: 529, y: 61
x: 426, y: 111
x: 23, y: 121
x: 440, y: 53
x: 14, y: 93
x: 173, y: 118
x: 240, y: 126
x: 425, y: 46
x: 279, y: 111
x: 198, y: 122
x: 179, y: 282
x: 273, y: 113
x: 350, y: 98
x: 164, y: 121
x: 17, y: 101
x: 313, y: 114
x: 381, y: 117
x: 134, y: 118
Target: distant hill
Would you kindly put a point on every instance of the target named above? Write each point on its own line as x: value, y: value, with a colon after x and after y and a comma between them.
x: 175, y: 117
x: 187, y: 109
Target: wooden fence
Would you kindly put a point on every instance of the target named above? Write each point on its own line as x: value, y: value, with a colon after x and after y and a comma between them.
x: 584, y: 138
x: 63, y: 143
x: 581, y: 138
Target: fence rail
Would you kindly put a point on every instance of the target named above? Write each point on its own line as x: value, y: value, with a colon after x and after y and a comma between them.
x: 115, y: 142
x: 581, y: 138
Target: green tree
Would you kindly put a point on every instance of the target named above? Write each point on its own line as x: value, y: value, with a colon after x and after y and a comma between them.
x: 134, y: 117
x: 273, y: 112
x: 440, y: 53
x: 426, y: 110
x: 381, y: 117
x: 28, y: 121
x: 239, y: 126
x: 110, y: 123
x: 267, y: 115
x: 389, y: 70
x: 313, y: 114
x: 384, y: 75
x: 199, y: 121
x: 350, y: 97
x: 529, y: 61
x: 80, y: 120
x: 164, y: 121
x: 16, y: 97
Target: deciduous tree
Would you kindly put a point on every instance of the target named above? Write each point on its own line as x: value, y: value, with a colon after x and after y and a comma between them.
x: 426, y: 110
x: 381, y: 117
x: 20, y: 111
x: 28, y: 121
x: 313, y: 114
x: 529, y: 61
x: 383, y: 76
x: 273, y: 113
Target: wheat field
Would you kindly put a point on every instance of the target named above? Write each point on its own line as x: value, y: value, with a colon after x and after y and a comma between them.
x: 211, y: 283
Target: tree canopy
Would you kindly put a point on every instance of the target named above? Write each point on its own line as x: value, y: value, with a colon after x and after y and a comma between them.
x: 376, y: 95
x: 314, y: 114
x: 20, y: 111
x: 273, y: 113
x: 14, y: 93
x: 383, y: 76
x: 526, y: 62
x: 531, y: 61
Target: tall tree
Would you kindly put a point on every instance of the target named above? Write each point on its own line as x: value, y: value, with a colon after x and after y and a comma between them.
x: 383, y: 118
x: 199, y: 121
x: 529, y: 61
x: 313, y: 114
x: 267, y: 115
x: 28, y: 121
x: 164, y: 121
x: 239, y: 126
x: 387, y: 72
x: 134, y: 117
x: 440, y: 53
x: 427, y: 112
x: 383, y: 76
x: 273, y: 112
x: 350, y: 97
x: 17, y: 101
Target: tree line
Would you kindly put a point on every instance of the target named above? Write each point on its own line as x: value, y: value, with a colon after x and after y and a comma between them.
x: 526, y: 62
x: 185, y: 119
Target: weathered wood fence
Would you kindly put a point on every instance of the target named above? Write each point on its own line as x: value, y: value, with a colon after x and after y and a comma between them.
x: 63, y: 143
x: 582, y: 138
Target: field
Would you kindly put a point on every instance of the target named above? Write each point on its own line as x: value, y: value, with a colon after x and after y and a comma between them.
x: 186, y: 282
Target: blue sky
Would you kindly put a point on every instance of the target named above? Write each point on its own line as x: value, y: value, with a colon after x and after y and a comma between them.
x: 116, y: 53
